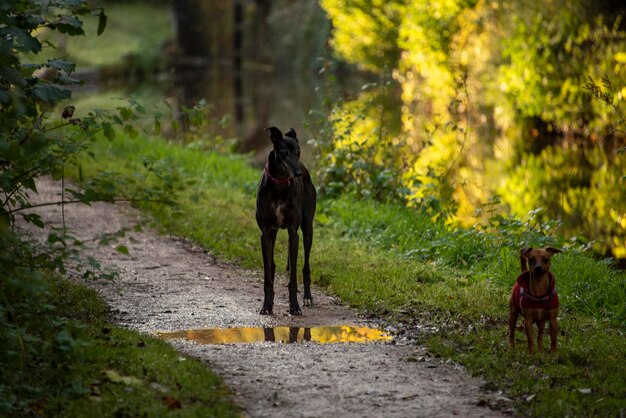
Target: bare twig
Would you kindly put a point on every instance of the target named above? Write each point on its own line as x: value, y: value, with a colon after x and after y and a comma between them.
x: 66, y: 202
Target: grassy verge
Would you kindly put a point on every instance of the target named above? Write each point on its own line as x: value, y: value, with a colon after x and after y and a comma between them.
x: 396, y: 263
x: 78, y: 365
x: 131, y: 374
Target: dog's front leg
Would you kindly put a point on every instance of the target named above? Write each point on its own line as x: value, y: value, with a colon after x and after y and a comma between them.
x: 513, y: 314
x: 528, y: 327
x: 541, y: 325
x: 268, y: 238
x: 294, y: 307
x: 553, y: 330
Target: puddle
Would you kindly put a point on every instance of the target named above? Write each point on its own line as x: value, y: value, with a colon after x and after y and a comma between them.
x: 322, y: 335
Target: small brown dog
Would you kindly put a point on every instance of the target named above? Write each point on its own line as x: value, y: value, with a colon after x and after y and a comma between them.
x: 534, y: 296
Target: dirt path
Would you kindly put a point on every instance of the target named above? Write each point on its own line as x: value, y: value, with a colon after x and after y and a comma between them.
x: 167, y: 284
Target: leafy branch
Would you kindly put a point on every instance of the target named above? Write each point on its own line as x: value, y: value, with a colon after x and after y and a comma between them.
x: 607, y: 95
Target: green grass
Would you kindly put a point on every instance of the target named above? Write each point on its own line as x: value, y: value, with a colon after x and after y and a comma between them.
x: 131, y: 374
x: 394, y: 262
x: 116, y: 372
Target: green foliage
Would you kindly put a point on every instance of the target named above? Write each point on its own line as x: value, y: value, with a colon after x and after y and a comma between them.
x: 41, y: 342
x: 547, y: 81
x: 39, y: 347
x: 365, y: 155
x: 366, y: 32
x: 493, y: 99
x: 61, y: 358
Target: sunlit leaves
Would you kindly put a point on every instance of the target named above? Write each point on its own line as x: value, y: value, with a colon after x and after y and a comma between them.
x: 483, y: 84
x: 366, y: 32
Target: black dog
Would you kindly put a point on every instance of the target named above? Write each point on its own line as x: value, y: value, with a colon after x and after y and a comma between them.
x: 285, y: 199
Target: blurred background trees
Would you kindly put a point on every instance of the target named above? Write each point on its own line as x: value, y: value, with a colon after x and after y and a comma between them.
x: 493, y: 103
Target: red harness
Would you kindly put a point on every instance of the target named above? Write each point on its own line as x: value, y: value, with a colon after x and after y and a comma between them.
x: 266, y: 171
x: 523, y: 298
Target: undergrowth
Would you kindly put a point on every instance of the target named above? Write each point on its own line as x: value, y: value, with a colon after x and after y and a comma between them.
x: 62, y: 358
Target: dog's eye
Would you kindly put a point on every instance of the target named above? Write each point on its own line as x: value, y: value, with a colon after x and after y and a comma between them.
x: 545, y: 259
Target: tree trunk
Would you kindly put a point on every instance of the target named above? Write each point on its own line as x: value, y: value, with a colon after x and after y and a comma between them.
x: 204, y: 28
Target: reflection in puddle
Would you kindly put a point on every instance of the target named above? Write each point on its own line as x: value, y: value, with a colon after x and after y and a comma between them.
x: 337, y: 334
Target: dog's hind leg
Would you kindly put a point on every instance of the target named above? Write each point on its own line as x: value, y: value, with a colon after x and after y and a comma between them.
x: 294, y: 307
x: 309, y: 204
x: 307, y: 237
x: 268, y: 239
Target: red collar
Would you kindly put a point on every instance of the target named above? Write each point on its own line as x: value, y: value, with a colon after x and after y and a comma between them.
x: 273, y: 179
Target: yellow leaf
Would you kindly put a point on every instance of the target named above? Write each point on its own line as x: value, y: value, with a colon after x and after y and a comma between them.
x: 115, y: 377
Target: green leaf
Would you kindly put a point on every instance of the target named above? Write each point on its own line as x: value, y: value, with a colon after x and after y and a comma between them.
x: 62, y: 65
x: 109, y: 132
x: 322, y: 219
x: 93, y: 262
x: 102, y: 22
x: 53, y: 238
x: 5, y: 218
x: 122, y: 249
x: 131, y: 131
x: 34, y: 219
x: 23, y: 41
x: 125, y: 113
x: 115, y: 377
x: 11, y: 75
x: 157, y: 126
x: 51, y: 93
x: 70, y: 25
x: 29, y: 183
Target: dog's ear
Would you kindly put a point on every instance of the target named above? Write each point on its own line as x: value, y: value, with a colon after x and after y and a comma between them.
x: 553, y: 250
x: 522, y: 258
x: 291, y: 133
x: 275, y: 134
